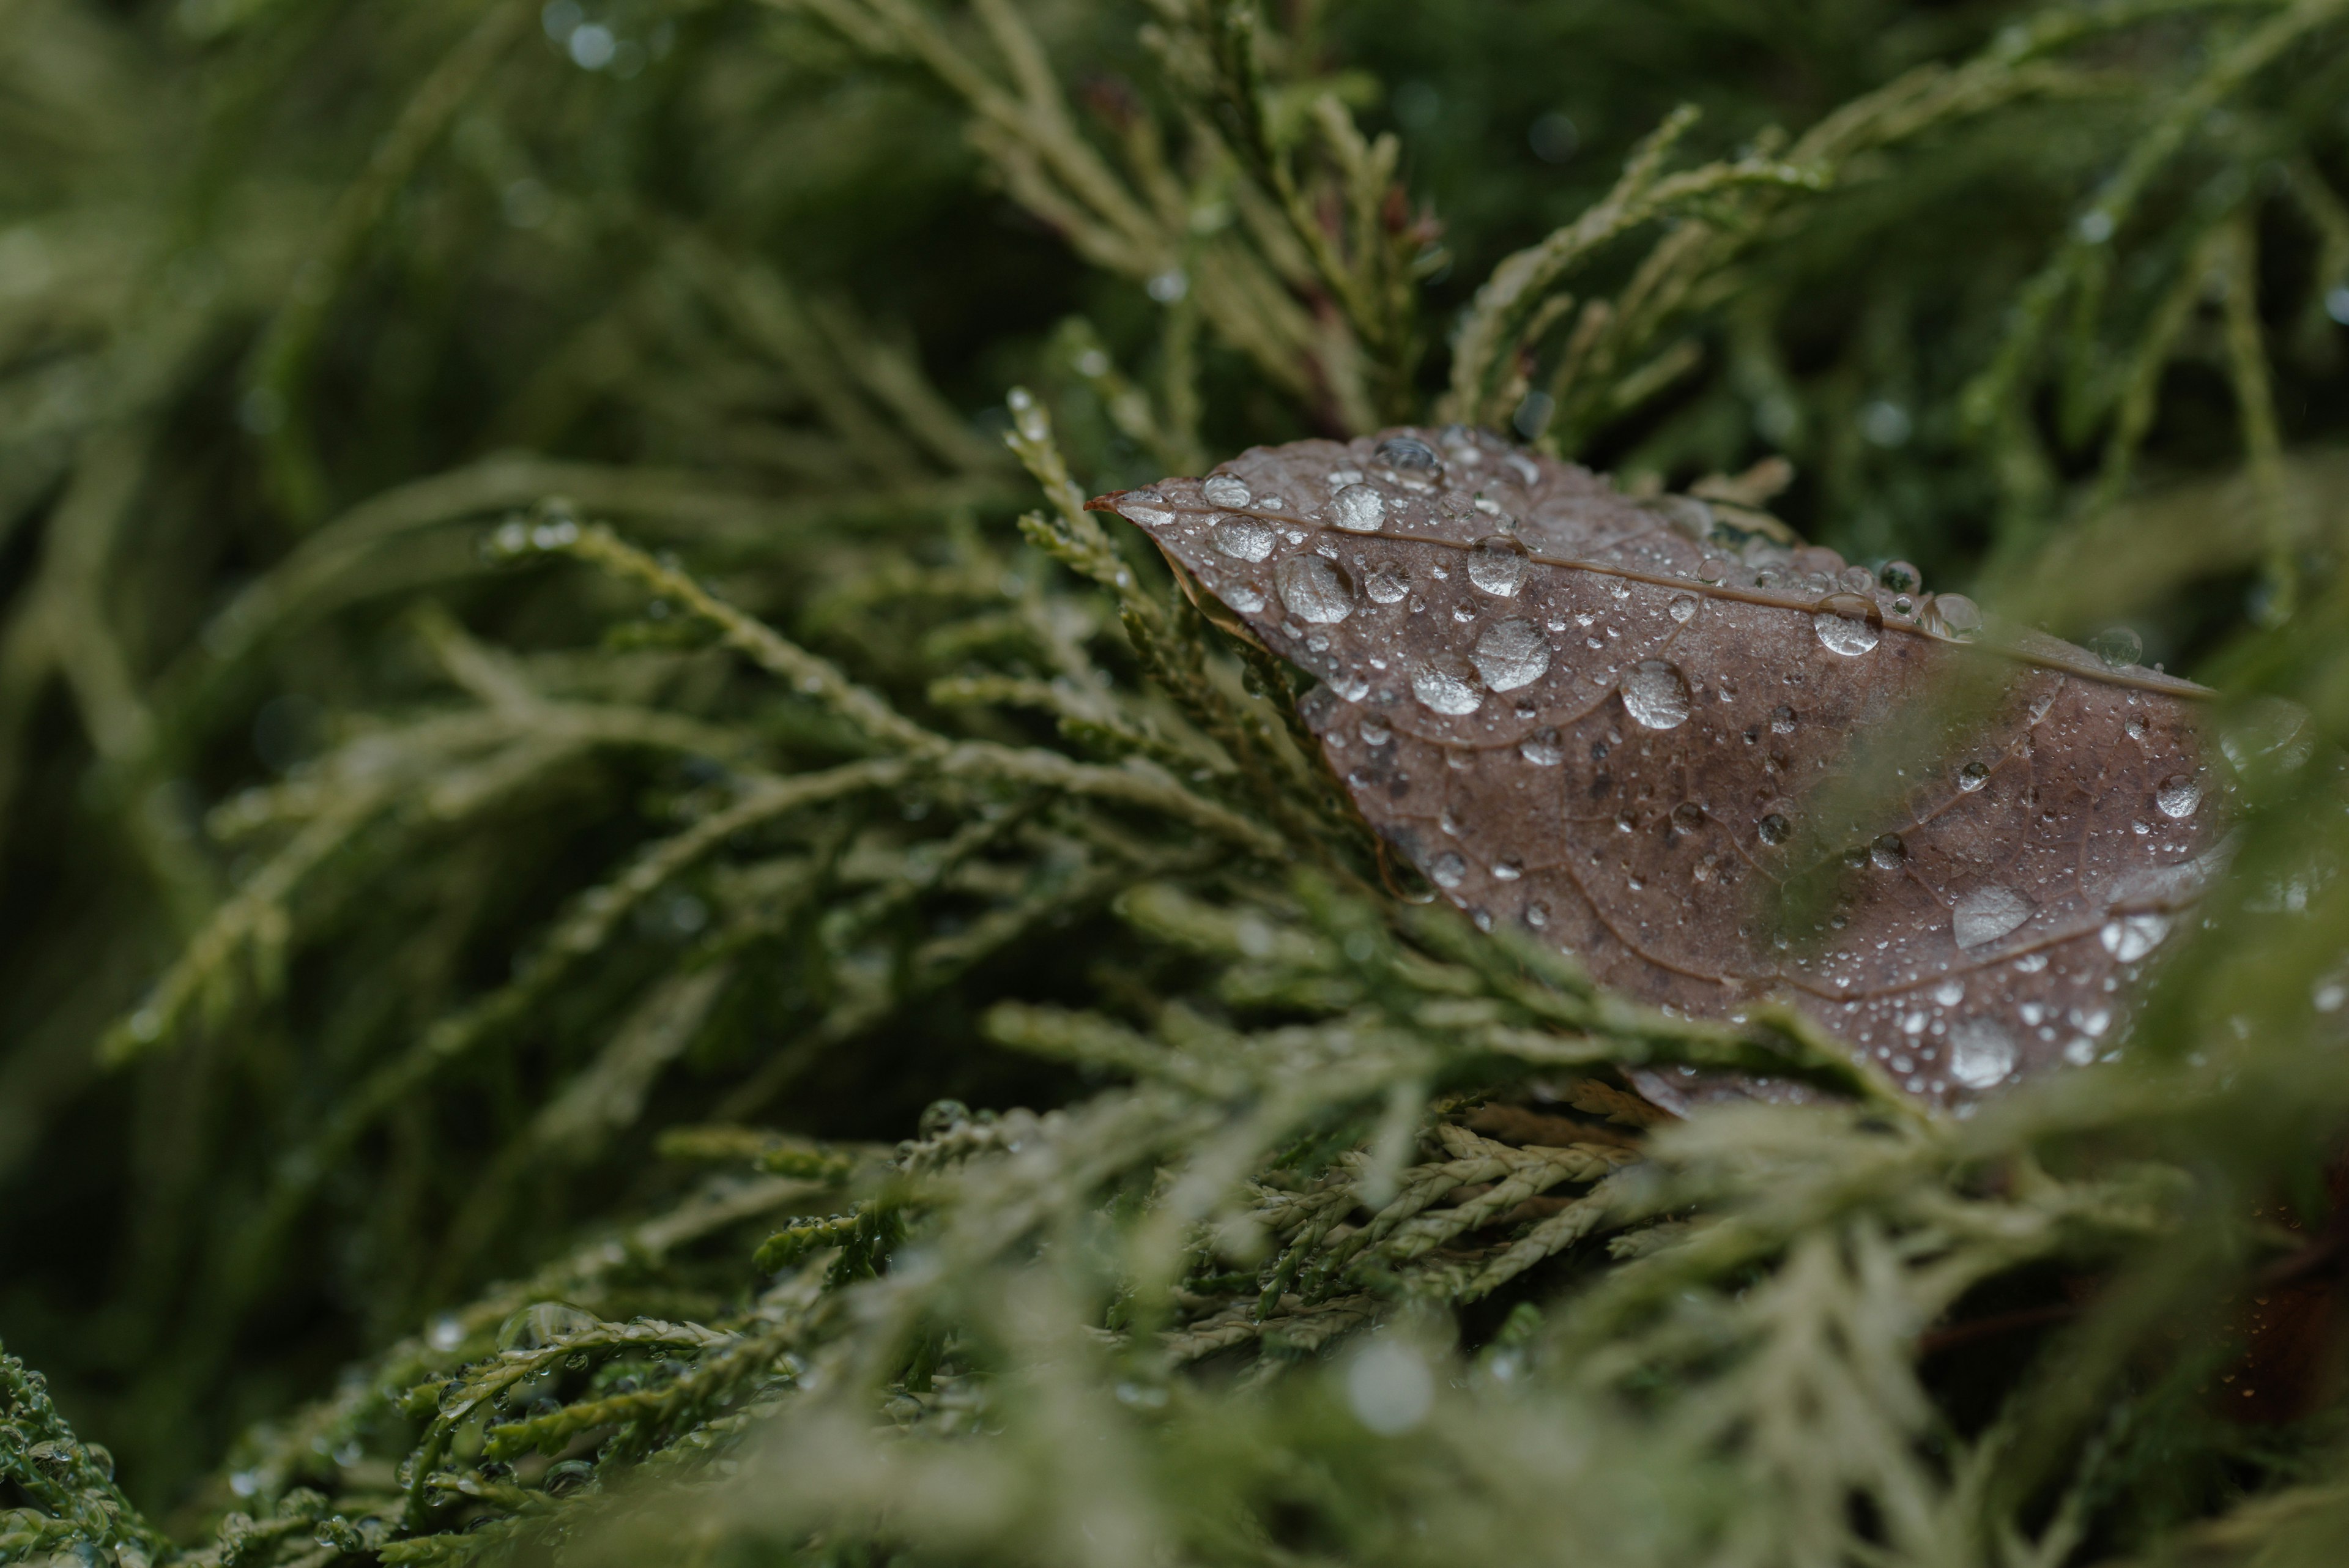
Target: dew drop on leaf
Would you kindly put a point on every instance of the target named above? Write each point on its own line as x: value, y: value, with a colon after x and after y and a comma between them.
x: 1774, y: 829
x: 1953, y: 616
x: 1900, y: 577
x: 1542, y: 748
x: 1988, y: 913
x: 2177, y: 797
x: 1888, y: 853
x: 1407, y: 452
x: 1497, y: 566
x: 1358, y: 509
x: 1446, y: 684
x: 1387, y: 584
x: 1973, y: 776
x: 1376, y: 732
x: 2132, y: 936
x: 1980, y: 1053
x: 1244, y: 538
x: 1314, y: 590
x: 1226, y: 490
x: 1447, y: 870
x: 1847, y: 624
x: 2117, y: 646
x: 1655, y: 694
x: 1511, y: 654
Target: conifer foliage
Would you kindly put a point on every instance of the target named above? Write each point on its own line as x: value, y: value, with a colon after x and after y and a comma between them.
x: 632, y: 938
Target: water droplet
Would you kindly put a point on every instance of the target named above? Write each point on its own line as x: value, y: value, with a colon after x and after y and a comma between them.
x: 1315, y: 589
x: 1226, y: 490
x: 1901, y: 577
x: 1358, y: 509
x: 2117, y: 646
x: 1782, y: 721
x: 2132, y: 936
x: 1375, y: 732
x: 1390, y: 1387
x: 1168, y: 287
x: 2179, y: 796
x: 1988, y: 913
x: 1148, y: 516
x: 1688, y: 817
x: 1848, y: 624
x: 1683, y: 608
x: 1973, y: 776
x: 1949, y: 992
x: 1447, y: 870
x: 1512, y: 654
x: 1497, y: 566
x: 1774, y: 830
x: 1543, y: 749
x: 1953, y: 616
x: 1980, y: 1053
x: 1244, y: 539
x: 1447, y: 684
x: 447, y: 1332
x: 1388, y: 584
x: 1537, y: 915
x: 1507, y: 871
x: 1887, y: 852
x: 1407, y: 452
x: 1655, y: 695
x: 1711, y: 569
x: 541, y: 1323
x: 1242, y: 598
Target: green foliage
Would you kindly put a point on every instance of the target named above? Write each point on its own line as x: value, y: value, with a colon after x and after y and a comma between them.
x: 542, y: 720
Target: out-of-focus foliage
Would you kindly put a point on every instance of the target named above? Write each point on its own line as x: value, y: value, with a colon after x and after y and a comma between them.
x: 554, y: 696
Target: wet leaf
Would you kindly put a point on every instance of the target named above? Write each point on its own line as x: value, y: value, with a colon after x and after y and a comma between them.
x: 1639, y: 729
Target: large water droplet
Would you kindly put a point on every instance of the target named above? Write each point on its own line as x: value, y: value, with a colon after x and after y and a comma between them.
x: 1900, y: 577
x: 1376, y: 732
x: 1388, y: 584
x: 1406, y: 452
x: 2179, y: 796
x: 1226, y: 490
x: 1244, y: 538
x: 1655, y: 695
x: 2117, y: 646
x: 1848, y: 624
x: 1683, y: 608
x: 2132, y: 936
x: 1497, y: 566
x: 1887, y: 852
x: 1447, y: 870
x: 1512, y: 654
x: 1315, y: 589
x: 1953, y: 616
x: 1358, y: 509
x: 1242, y: 598
x: 1973, y: 776
x: 1988, y: 913
x: 1774, y: 830
x: 541, y: 1323
x: 1447, y: 684
x: 1543, y: 749
x: 1980, y: 1053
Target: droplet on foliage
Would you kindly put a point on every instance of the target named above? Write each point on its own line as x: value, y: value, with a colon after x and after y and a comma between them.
x: 1358, y: 509
x: 1224, y: 490
x: 1655, y: 694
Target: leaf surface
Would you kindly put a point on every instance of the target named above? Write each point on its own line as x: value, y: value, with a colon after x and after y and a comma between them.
x: 1624, y: 724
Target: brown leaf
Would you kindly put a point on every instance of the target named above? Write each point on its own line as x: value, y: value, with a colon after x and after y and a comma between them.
x: 1629, y: 726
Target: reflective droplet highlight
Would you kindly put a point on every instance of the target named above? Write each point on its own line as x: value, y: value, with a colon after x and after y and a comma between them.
x: 1774, y: 830
x: 2117, y: 646
x: 2177, y: 797
x: 1655, y: 694
x: 1226, y: 490
x: 1988, y: 913
x: 1447, y: 870
x: 1953, y: 616
x: 1244, y: 538
x: 1543, y: 749
x: 1447, y: 684
x: 1407, y: 452
x: 1973, y: 776
x: 1497, y: 566
x: 1388, y: 584
x: 1848, y: 624
x: 1512, y: 654
x: 1980, y: 1053
x: 1359, y: 509
x: 1314, y: 590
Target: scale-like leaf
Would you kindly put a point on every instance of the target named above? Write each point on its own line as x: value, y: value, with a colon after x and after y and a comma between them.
x: 1624, y: 724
